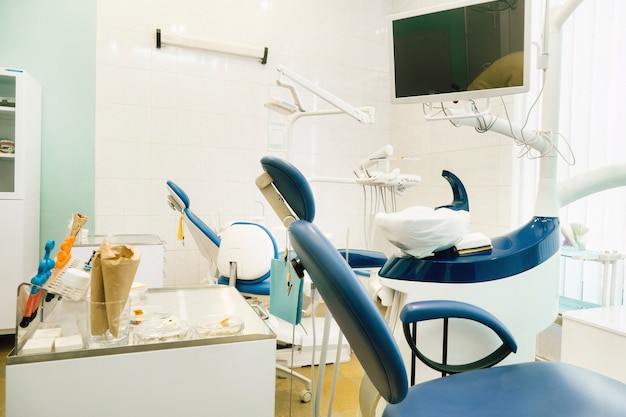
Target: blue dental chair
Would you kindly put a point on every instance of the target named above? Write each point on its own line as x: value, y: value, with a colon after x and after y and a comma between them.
x: 521, y: 390
x: 243, y: 251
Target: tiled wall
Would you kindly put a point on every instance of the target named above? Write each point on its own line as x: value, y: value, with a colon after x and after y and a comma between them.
x: 197, y: 118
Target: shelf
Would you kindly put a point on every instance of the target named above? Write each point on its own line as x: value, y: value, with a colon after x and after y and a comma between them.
x: 7, y: 156
x: 8, y: 114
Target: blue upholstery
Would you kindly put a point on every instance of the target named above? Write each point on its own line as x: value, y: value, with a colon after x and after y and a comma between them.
x: 361, y: 258
x: 292, y: 185
x: 180, y: 193
x: 206, y: 230
x: 535, y: 389
x: 207, y: 240
x: 352, y: 308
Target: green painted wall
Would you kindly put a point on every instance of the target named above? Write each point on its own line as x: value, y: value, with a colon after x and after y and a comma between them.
x: 55, y: 41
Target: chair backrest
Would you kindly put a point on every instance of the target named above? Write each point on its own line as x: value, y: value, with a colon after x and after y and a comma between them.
x: 356, y: 314
x: 206, y: 239
x: 292, y: 186
x: 252, y: 247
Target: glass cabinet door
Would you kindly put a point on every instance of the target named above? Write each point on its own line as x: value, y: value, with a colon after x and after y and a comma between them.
x: 8, y: 146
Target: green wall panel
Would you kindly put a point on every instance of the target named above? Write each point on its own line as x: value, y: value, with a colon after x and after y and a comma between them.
x: 55, y: 41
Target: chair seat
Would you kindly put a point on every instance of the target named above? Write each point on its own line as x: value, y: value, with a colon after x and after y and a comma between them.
x: 256, y: 288
x: 522, y: 390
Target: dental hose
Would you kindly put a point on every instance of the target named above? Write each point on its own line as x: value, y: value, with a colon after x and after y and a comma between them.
x: 335, y: 374
x: 322, y: 365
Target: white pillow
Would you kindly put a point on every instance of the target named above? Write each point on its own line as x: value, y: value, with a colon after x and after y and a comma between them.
x: 420, y: 231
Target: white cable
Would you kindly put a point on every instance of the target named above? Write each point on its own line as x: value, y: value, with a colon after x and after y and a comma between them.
x: 315, y: 393
x: 322, y: 365
x: 335, y: 374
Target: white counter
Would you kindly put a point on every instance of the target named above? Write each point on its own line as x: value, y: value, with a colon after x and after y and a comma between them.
x: 595, y: 338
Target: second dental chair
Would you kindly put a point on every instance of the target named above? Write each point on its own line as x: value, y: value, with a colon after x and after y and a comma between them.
x: 239, y: 256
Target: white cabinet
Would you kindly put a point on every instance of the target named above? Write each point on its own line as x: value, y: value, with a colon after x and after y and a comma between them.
x: 595, y: 338
x: 20, y: 161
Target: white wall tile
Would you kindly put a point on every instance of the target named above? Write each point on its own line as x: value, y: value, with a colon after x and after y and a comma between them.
x: 109, y: 121
x: 137, y: 161
x: 137, y: 123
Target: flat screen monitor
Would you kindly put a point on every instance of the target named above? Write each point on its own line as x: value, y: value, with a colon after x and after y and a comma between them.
x: 460, y: 51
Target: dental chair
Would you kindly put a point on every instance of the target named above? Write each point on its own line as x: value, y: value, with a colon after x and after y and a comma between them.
x: 289, y: 194
x: 244, y: 250
x: 240, y: 256
x: 520, y: 390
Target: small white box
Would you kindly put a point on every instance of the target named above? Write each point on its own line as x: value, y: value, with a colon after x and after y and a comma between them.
x: 68, y: 343
x: 39, y: 345
x: 47, y: 333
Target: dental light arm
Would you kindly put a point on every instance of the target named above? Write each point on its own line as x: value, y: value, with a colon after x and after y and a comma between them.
x: 356, y: 113
x: 591, y: 182
x: 528, y: 137
x: 294, y: 92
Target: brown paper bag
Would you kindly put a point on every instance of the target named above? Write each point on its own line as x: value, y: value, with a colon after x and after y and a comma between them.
x: 97, y: 311
x: 119, y: 265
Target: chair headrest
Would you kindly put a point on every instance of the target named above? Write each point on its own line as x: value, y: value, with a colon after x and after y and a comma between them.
x: 292, y: 185
x: 177, y: 198
x: 353, y: 309
x: 251, y: 246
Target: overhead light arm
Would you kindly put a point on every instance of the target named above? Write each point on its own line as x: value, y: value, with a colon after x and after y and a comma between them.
x: 294, y: 92
x: 342, y: 105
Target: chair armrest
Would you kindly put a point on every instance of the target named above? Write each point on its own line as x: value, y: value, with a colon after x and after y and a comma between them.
x: 445, y: 309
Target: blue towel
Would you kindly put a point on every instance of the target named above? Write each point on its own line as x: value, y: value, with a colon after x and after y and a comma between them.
x: 283, y: 303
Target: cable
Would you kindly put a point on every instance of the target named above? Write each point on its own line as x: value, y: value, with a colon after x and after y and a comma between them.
x: 547, y: 136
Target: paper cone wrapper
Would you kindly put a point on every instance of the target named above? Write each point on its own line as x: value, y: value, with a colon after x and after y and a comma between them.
x: 78, y: 222
x: 119, y: 265
x: 97, y: 314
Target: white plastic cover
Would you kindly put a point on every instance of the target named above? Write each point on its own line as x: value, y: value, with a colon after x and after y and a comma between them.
x: 419, y: 231
x: 250, y: 246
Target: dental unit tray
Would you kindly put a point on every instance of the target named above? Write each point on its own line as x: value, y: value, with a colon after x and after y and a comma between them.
x: 510, y: 254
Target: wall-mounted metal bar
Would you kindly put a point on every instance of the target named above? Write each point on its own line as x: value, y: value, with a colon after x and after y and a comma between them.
x: 171, y: 39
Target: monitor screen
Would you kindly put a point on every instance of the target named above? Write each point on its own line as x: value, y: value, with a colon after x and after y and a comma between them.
x: 460, y: 51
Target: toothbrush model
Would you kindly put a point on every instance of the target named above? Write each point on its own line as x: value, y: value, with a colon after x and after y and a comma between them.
x: 43, y: 273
